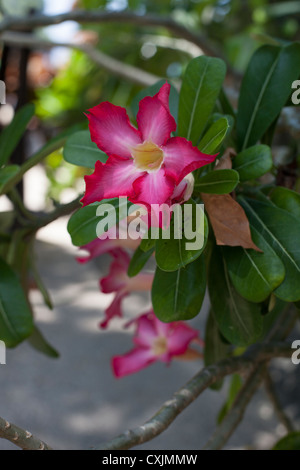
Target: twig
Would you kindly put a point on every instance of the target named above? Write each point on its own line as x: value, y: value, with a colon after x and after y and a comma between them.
x: 236, y: 413
x: 122, y: 70
x: 186, y: 395
x: 41, y: 220
x: 98, y: 16
x: 21, y: 438
x: 270, y: 389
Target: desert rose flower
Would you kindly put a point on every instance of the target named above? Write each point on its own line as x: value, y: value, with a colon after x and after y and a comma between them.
x: 144, y: 164
x: 108, y: 245
x: 119, y: 282
x: 155, y: 341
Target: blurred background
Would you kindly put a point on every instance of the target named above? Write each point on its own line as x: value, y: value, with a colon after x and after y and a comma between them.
x: 75, y: 402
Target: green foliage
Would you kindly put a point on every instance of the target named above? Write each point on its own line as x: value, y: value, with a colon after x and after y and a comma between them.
x: 16, y: 322
x: 178, y: 295
x: 80, y: 150
x: 218, y: 182
x: 200, y: 88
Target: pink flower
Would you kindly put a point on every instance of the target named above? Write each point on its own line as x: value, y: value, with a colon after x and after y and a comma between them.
x: 118, y: 281
x: 155, y: 341
x: 144, y: 164
x: 108, y: 245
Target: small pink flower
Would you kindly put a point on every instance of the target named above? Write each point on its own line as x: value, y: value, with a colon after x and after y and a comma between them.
x: 118, y: 281
x: 144, y: 164
x: 155, y: 341
x: 108, y: 245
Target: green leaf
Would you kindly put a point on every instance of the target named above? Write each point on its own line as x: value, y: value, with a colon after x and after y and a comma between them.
x: 139, y: 260
x: 38, y: 342
x: 199, y: 91
x: 286, y: 199
x: 289, y: 442
x: 7, y: 173
x: 80, y: 150
x: 253, y: 162
x: 215, y: 348
x: 16, y: 322
x: 12, y: 134
x: 239, y: 321
x: 83, y: 225
x: 151, y: 91
x: 174, y: 253
x: 215, y: 135
x: 218, y: 182
x: 265, y: 89
x: 235, y: 386
x: 147, y: 243
x: 254, y: 275
x: 281, y: 231
x: 179, y: 295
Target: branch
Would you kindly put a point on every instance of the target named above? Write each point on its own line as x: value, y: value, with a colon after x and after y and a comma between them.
x: 236, y: 413
x: 186, y: 395
x: 100, y: 16
x: 122, y: 70
x: 21, y: 438
x: 270, y: 389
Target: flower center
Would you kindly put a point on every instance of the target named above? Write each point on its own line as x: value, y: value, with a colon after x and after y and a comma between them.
x: 160, y: 346
x: 147, y: 156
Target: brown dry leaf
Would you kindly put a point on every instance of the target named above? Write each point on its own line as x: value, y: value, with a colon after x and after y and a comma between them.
x: 225, y: 162
x: 228, y: 220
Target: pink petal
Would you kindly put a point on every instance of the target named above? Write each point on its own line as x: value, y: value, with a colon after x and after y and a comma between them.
x: 181, y: 158
x: 117, y: 278
x: 132, y: 362
x: 111, y: 179
x: 111, y: 130
x: 97, y: 248
x: 153, y: 188
x: 114, y: 310
x: 180, y: 338
x: 154, y: 119
x: 146, y: 331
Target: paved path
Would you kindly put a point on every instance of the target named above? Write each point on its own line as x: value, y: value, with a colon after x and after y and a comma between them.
x: 75, y: 402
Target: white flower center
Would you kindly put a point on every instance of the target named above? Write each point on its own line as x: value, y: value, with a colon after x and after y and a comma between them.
x: 147, y: 156
x: 160, y: 346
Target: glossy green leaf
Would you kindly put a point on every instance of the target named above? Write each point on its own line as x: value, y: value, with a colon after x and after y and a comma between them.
x: 16, y: 322
x: 216, y: 348
x: 174, y: 253
x: 215, y: 135
x: 265, y: 89
x: 218, y: 182
x: 7, y: 173
x: 179, y: 295
x: 281, y: 231
x: 147, y: 243
x: 80, y: 150
x: 12, y: 134
x: 38, y: 342
x: 84, y: 223
x: 254, y: 275
x: 286, y: 199
x: 253, y: 162
x: 138, y: 261
x: 239, y: 321
x: 200, y: 88
x: 151, y: 91
x: 289, y: 442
